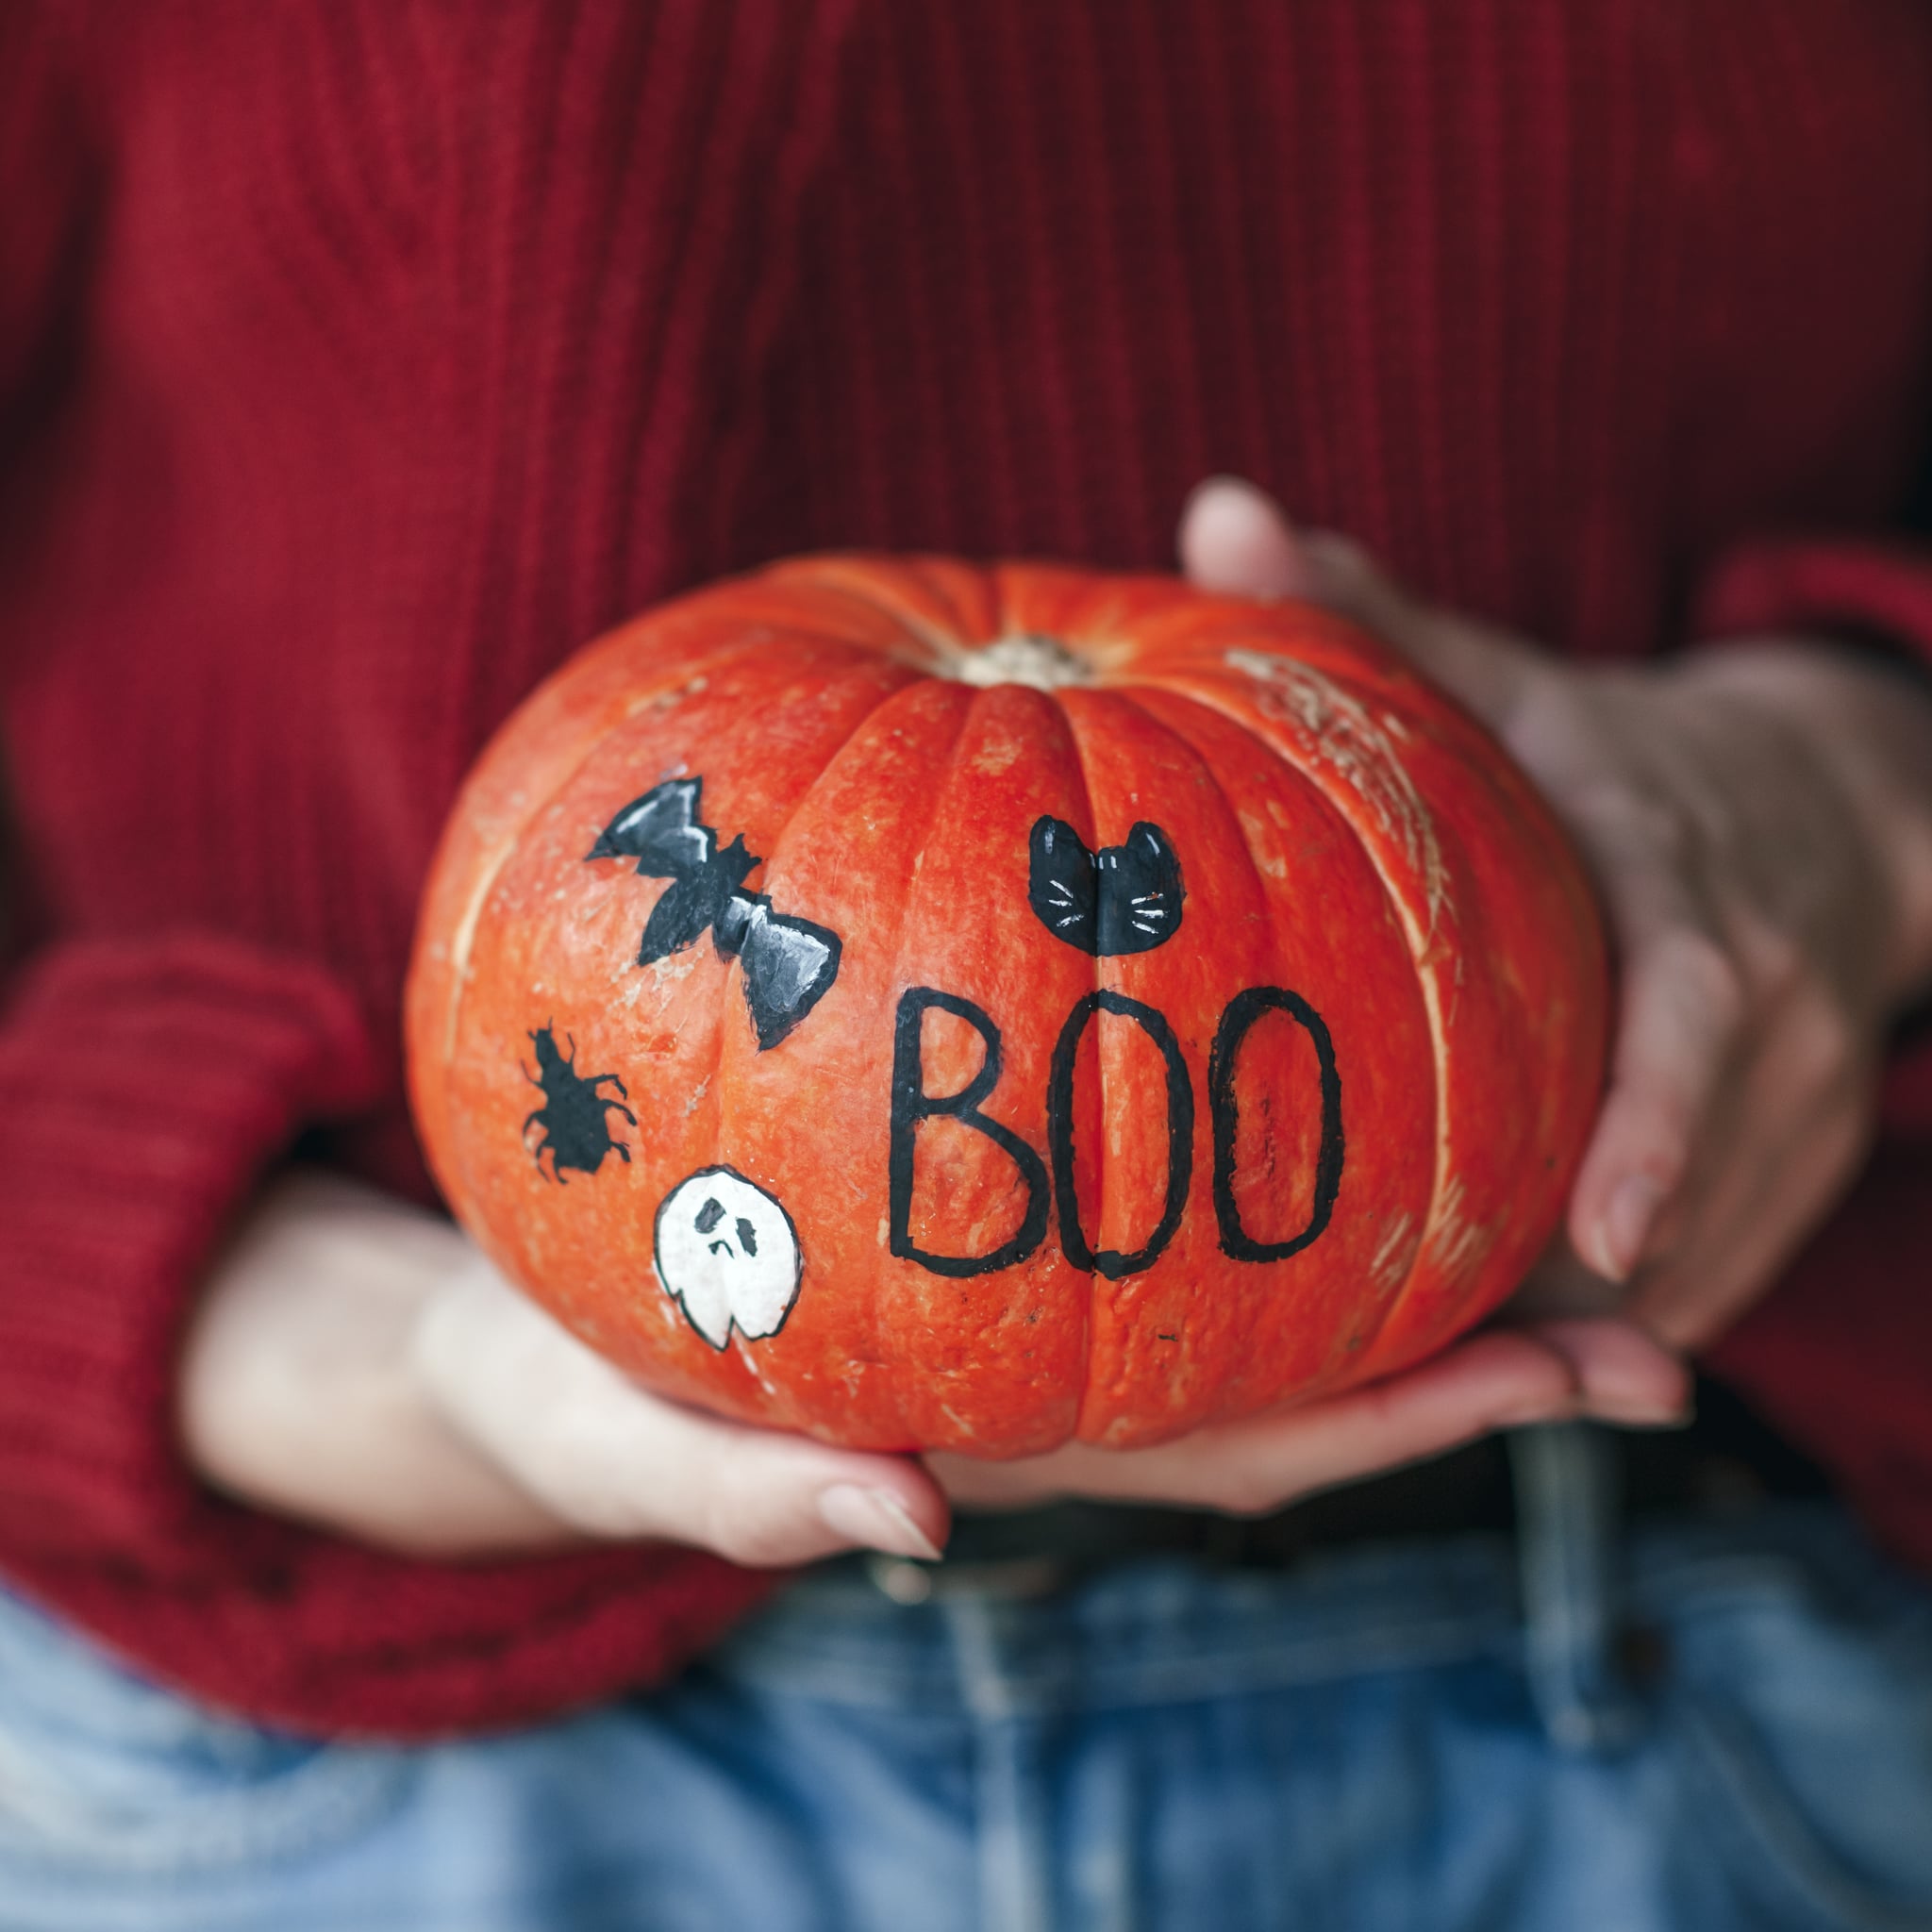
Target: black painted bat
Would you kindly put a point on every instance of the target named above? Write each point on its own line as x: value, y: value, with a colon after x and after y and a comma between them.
x: 790, y: 963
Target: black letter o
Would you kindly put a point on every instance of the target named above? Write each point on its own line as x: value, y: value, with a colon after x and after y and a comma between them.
x: 1239, y: 1015
x: 1059, y: 1133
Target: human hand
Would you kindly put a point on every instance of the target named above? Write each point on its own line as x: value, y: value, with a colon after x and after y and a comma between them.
x: 1498, y: 1378
x: 356, y: 1363
x: 360, y: 1365
x: 1760, y: 822
x: 1548, y: 1364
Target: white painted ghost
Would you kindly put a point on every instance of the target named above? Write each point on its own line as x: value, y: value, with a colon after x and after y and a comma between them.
x: 727, y: 1253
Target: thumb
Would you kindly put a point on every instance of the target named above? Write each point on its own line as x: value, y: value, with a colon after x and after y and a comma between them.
x: 1235, y: 540
x: 613, y: 1460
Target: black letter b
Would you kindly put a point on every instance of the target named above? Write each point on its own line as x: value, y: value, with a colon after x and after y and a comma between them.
x: 912, y: 1104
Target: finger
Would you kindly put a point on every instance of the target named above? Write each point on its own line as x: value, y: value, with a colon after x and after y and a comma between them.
x: 1349, y: 579
x: 1762, y: 1204
x: 1682, y: 1021
x: 614, y: 1461
x: 1623, y: 1374
x: 1501, y: 1379
x: 1235, y: 540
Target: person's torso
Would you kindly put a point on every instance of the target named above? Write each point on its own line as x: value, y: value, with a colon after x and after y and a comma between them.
x: 423, y: 342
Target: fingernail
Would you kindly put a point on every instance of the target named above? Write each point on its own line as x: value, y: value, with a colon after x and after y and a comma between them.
x: 1626, y: 1226
x: 876, y: 1520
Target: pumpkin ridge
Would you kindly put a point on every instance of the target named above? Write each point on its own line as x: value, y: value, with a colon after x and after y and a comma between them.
x: 887, y: 587
x: 1447, y: 1233
x: 1126, y: 694
x: 1246, y: 729
x: 1431, y: 999
x: 1122, y: 693
x: 1053, y: 698
x: 464, y: 934
x: 714, y: 1077
x: 935, y: 792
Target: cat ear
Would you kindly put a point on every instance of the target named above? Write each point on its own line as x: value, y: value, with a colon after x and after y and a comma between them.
x: 1060, y: 885
x: 1140, y: 893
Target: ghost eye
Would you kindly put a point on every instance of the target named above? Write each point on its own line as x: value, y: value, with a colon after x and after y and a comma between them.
x: 709, y: 1215
x: 747, y: 1239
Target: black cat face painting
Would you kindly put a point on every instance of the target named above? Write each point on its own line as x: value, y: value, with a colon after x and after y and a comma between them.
x: 1125, y: 898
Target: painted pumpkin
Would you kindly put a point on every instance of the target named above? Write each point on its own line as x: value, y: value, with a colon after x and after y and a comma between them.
x: 929, y: 1006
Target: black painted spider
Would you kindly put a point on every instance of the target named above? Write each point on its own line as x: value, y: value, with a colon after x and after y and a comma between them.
x: 572, y: 1120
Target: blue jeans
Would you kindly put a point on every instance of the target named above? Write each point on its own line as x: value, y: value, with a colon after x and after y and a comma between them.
x: 1437, y: 1734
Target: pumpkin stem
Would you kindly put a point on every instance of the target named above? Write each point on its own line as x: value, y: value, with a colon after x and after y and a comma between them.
x: 1044, y: 663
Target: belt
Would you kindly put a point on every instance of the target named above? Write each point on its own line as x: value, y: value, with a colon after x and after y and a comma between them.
x: 1724, y: 1461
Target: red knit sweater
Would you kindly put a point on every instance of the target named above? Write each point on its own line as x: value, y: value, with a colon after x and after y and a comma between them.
x: 359, y: 359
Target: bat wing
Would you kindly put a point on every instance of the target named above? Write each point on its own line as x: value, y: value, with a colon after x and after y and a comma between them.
x: 660, y: 831
x: 790, y: 965
x: 680, y: 918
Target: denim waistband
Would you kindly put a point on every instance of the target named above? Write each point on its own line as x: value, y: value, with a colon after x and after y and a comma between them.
x: 1145, y: 1631
x: 1552, y: 1600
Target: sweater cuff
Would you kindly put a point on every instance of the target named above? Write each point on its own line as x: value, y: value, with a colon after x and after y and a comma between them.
x: 1878, y: 595
x: 144, y: 1086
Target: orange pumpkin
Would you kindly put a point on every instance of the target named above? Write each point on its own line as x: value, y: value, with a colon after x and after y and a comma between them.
x: 931, y: 1006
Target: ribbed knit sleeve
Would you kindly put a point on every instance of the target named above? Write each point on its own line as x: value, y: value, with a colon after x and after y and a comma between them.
x: 144, y: 1086
x: 1821, y: 585
x: 1837, y: 1355
x: 492, y: 338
